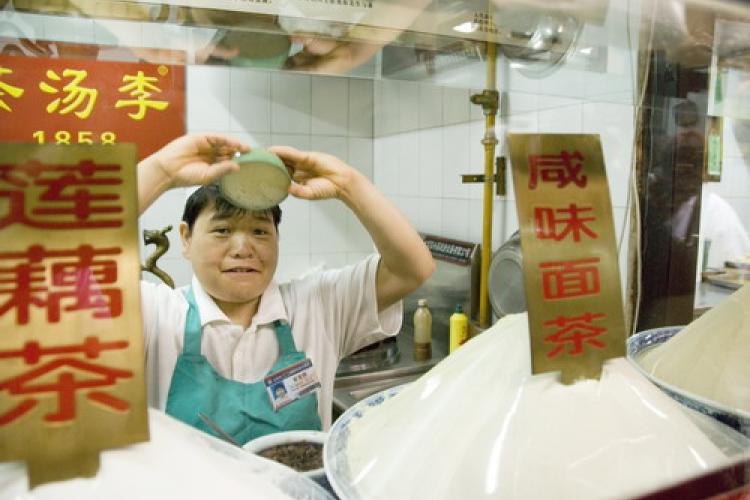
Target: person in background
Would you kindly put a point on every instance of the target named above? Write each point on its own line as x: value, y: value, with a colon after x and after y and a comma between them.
x: 218, y: 346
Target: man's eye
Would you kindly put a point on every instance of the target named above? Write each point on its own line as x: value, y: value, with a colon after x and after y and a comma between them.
x: 260, y: 232
x: 221, y: 230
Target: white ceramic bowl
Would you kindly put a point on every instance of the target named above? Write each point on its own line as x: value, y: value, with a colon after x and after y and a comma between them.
x: 288, y: 437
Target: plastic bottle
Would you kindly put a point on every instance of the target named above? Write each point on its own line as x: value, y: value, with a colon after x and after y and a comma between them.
x: 422, y: 331
x: 459, y: 328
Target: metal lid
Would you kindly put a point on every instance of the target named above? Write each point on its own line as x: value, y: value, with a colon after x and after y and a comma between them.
x: 505, y: 281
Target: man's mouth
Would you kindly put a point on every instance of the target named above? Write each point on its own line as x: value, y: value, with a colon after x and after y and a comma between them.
x: 240, y: 269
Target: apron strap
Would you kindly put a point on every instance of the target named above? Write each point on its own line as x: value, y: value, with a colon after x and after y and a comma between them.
x: 191, y: 343
x: 284, y: 338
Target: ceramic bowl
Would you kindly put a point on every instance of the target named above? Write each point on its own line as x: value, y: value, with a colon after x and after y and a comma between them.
x: 261, y: 183
x: 336, y: 449
x: 264, y: 442
x: 640, y: 342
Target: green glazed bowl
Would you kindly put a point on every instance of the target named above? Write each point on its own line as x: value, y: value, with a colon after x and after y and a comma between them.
x: 261, y: 183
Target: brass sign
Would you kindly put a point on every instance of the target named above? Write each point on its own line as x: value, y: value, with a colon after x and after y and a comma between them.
x: 570, y: 261
x: 71, y: 344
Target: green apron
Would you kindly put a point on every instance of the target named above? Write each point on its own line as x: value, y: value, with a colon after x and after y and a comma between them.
x: 242, y: 410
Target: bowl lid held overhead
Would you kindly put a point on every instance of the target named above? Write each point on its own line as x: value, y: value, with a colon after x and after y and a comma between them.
x: 261, y: 183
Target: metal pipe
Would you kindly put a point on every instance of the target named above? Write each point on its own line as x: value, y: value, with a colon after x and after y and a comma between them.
x: 489, y: 142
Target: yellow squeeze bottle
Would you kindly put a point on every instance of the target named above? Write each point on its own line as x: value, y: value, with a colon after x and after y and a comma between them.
x: 459, y: 328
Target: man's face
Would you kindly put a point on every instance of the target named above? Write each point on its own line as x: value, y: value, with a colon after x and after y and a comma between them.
x: 233, y: 257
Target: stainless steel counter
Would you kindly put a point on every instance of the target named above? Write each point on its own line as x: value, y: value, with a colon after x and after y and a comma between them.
x: 350, y: 388
x: 708, y: 295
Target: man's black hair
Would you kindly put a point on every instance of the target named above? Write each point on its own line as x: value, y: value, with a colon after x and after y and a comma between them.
x: 207, y: 196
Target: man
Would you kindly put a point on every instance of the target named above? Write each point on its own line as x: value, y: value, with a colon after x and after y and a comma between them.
x: 218, y: 346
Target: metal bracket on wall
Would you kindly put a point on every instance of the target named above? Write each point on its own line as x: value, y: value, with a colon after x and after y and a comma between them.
x: 501, y: 188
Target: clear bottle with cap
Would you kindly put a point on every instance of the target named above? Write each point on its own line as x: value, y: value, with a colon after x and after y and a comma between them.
x: 422, y: 331
x: 459, y: 328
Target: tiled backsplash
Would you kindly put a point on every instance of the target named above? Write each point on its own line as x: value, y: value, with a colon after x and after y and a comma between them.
x: 413, y: 139
x: 419, y: 161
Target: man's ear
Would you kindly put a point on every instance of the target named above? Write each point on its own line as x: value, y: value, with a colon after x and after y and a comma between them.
x: 184, y: 238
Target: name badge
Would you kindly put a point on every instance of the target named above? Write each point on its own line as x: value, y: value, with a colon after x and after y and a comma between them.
x: 291, y: 383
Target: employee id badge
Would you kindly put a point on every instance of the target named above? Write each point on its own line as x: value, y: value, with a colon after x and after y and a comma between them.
x: 291, y: 383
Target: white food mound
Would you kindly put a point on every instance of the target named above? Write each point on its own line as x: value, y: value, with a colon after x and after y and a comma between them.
x: 178, y: 462
x: 256, y: 186
x: 478, y: 425
x: 711, y: 356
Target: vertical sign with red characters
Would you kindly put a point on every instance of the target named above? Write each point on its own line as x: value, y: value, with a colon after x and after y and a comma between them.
x: 570, y: 260
x: 71, y: 347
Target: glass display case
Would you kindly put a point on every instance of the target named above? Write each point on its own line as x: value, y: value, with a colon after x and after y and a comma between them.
x: 388, y: 85
x: 403, y: 91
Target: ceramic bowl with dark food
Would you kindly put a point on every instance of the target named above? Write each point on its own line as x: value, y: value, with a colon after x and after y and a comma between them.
x: 300, y: 450
x: 641, y: 342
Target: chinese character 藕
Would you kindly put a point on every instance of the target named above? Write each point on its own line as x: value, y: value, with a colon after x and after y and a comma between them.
x: 575, y: 331
x: 63, y: 202
x: 58, y: 376
x: 6, y: 88
x: 561, y: 169
x: 556, y: 224
x: 51, y: 278
x: 141, y: 87
x: 76, y: 95
x: 566, y: 279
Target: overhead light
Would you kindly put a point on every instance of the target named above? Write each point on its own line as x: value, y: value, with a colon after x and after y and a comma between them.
x: 586, y: 50
x: 467, y: 27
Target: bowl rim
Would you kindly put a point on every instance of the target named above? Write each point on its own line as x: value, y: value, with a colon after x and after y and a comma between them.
x: 278, y: 438
x: 715, y: 405
x: 260, y: 157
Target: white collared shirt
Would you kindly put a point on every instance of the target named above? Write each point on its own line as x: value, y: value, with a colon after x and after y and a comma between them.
x: 332, y: 314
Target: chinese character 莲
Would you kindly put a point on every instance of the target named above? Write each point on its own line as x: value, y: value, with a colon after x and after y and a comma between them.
x: 64, y: 199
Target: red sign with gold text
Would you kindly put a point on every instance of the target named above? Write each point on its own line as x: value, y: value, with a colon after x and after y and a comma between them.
x: 77, y: 101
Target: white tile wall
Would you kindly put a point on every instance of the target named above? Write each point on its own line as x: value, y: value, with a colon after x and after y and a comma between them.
x: 208, y: 98
x: 361, y: 105
x: 328, y: 227
x: 330, y: 113
x: 250, y: 100
x: 408, y: 164
x: 413, y: 140
x: 361, y: 155
x: 291, y: 100
x: 455, y: 105
x: 563, y: 102
x: 456, y: 159
x: 430, y: 106
x: 430, y: 162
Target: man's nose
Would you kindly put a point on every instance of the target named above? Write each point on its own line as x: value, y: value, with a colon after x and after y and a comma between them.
x: 243, y: 245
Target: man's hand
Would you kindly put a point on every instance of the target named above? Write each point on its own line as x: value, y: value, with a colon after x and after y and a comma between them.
x: 197, y: 159
x: 316, y: 176
x: 189, y: 160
